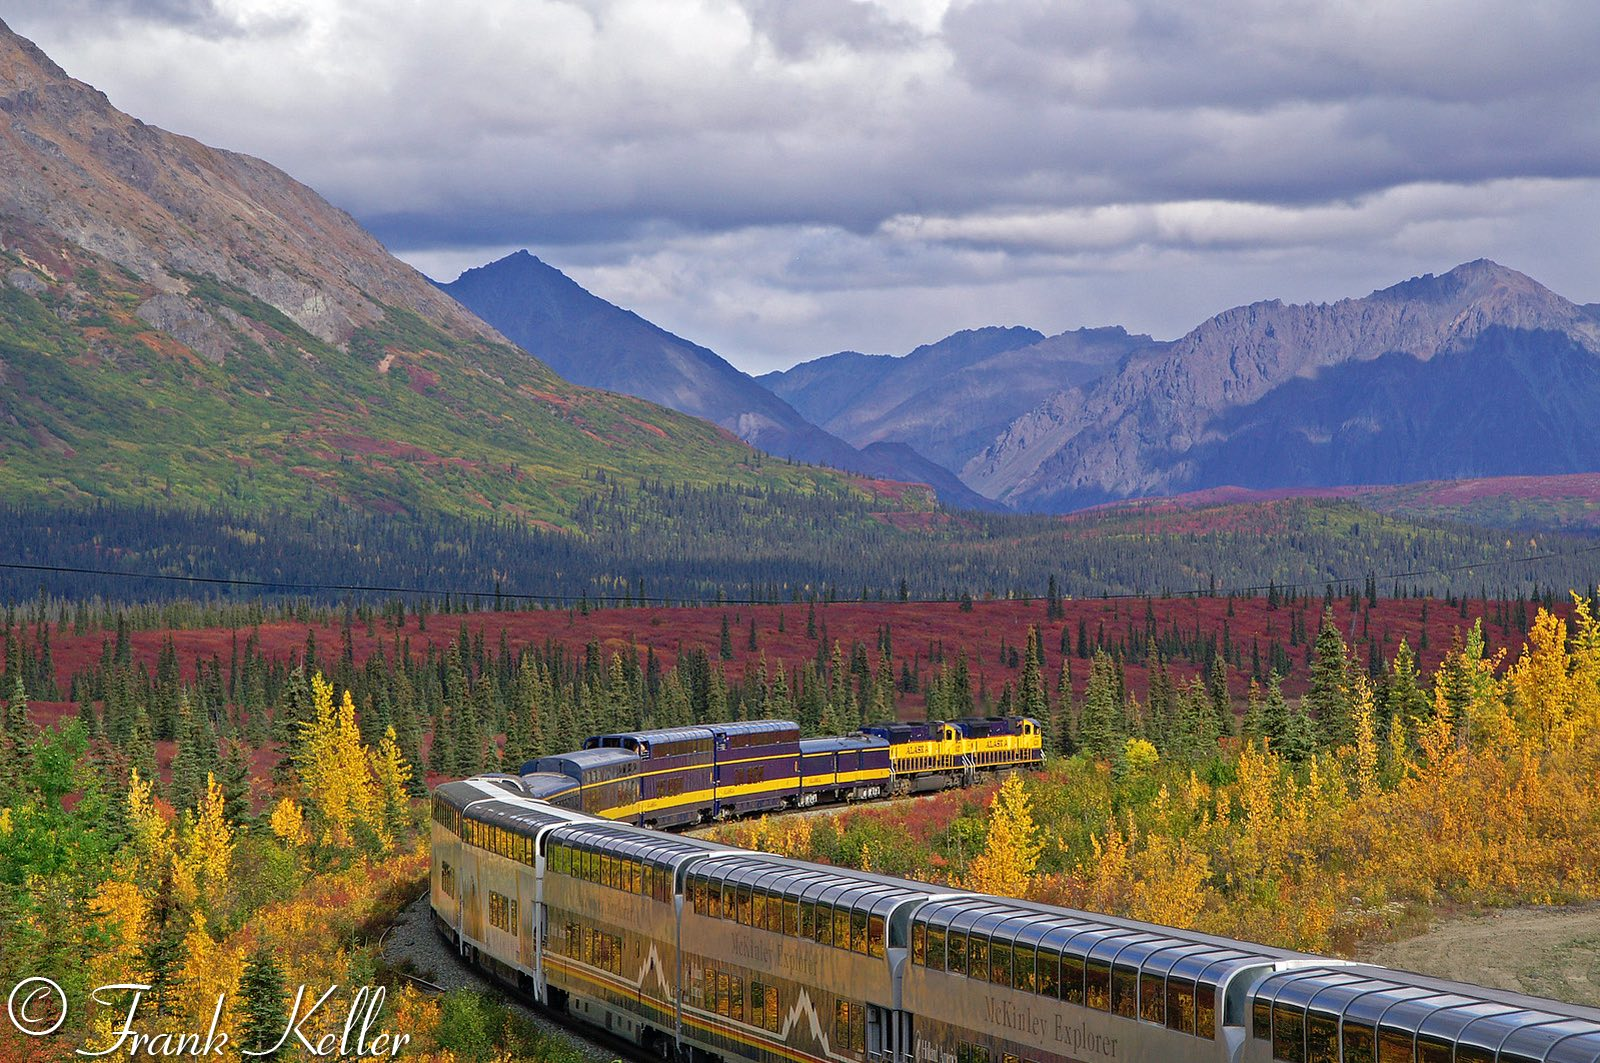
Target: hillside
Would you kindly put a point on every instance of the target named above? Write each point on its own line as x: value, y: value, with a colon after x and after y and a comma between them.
x: 948, y: 399
x: 1529, y: 503
x: 594, y: 343
x: 1395, y: 387
x: 192, y: 325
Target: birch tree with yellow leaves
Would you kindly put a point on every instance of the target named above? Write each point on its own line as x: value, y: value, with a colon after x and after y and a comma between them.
x: 1006, y: 865
x: 201, y: 870
x: 335, y: 771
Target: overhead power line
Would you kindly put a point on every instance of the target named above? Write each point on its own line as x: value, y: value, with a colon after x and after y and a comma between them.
x: 291, y: 586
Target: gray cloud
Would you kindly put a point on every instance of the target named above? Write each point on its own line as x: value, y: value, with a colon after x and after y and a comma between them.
x: 779, y: 179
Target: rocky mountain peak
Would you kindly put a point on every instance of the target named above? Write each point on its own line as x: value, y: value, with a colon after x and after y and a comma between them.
x: 164, y: 207
x: 1156, y: 423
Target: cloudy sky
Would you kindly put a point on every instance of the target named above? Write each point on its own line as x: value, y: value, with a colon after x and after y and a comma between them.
x: 779, y: 179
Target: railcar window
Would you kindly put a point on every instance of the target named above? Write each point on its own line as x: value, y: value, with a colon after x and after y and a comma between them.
x: 1125, y: 990
x: 713, y: 899
x: 1474, y: 1054
x: 1097, y: 985
x: 730, y: 902
x: 758, y: 1004
x: 1180, y: 1005
x: 1050, y: 973
x: 936, y: 947
x: 722, y: 993
x: 977, y: 956
x: 1261, y: 1019
x: 1022, y: 960
x: 971, y: 1053
x: 447, y: 879
x: 919, y: 944
x: 1000, y: 963
x: 1152, y: 999
x: 1431, y: 1050
x: 808, y: 920
x: 841, y: 927
x: 958, y: 952
x: 791, y: 917
x: 858, y: 931
x: 635, y: 877
x: 1358, y: 1044
x: 1288, y: 1033
x: 841, y: 1024
x: 1205, y: 1010
x: 1322, y: 1039
x: 775, y: 913
x: 1072, y: 978
x: 774, y: 1015
x: 875, y: 932
x: 736, y: 997
x: 1394, y: 1046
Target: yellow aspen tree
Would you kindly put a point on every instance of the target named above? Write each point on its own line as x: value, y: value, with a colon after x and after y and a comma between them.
x: 333, y: 767
x: 1005, y: 867
x: 1364, y: 757
x: 1169, y: 881
x: 1541, y: 680
x: 1397, y: 764
x: 210, y: 971
x: 1109, y: 872
x: 1584, y: 720
x: 123, y: 910
x: 288, y: 822
x: 152, y: 841
x: 209, y: 853
x: 392, y: 773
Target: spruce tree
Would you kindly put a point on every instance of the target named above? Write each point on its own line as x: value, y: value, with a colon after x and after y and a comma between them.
x: 1221, y: 697
x: 1274, y: 713
x: 1405, y: 699
x: 1102, y: 726
x: 1031, y: 698
x: 263, y: 1003
x: 1328, y: 698
x: 234, y: 778
x: 1299, y: 737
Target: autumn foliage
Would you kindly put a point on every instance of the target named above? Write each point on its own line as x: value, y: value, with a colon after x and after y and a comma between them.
x: 1487, y: 794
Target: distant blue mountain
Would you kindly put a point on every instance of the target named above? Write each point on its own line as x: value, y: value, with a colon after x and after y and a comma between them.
x: 594, y: 343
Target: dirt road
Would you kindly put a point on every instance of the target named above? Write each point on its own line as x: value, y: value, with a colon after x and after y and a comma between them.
x: 1549, y: 952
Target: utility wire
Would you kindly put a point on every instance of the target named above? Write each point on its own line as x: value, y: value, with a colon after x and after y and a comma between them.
x: 435, y: 592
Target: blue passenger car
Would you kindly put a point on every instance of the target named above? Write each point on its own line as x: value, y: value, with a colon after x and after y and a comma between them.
x: 756, y: 766
x: 608, y: 779
x: 675, y: 772
x: 855, y: 767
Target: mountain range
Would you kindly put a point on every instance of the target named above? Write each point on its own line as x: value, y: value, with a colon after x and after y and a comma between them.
x: 1480, y: 372
x: 1477, y: 372
x: 190, y: 325
x: 952, y: 398
x: 594, y: 343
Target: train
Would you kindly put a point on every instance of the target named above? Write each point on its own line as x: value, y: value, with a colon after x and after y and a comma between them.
x: 683, y: 776
x: 698, y: 952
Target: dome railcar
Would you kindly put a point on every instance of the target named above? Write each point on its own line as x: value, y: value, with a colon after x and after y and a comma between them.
x: 700, y: 952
